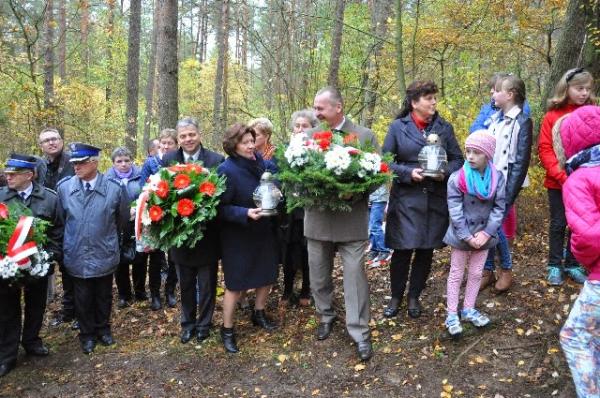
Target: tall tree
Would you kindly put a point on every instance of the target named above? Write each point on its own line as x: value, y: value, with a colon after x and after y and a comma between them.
x: 336, y: 43
x: 84, y: 5
x: 149, y: 92
x: 62, y: 37
x: 110, y: 72
x: 399, y: 52
x: 133, y: 74
x: 166, y: 55
x: 222, y: 43
x: 49, y: 24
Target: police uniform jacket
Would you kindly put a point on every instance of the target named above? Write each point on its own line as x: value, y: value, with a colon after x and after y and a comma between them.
x: 92, y: 225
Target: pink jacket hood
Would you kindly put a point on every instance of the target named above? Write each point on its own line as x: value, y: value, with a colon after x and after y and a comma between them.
x: 581, y: 129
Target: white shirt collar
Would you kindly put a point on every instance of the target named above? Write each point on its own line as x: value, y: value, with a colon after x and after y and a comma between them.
x: 514, y: 112
x: 91, y: 182
x: 339, y: 126
x: 194, y: 155
x: 27, y: 191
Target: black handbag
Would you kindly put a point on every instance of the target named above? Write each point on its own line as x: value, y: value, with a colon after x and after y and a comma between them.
x: 128, y: 251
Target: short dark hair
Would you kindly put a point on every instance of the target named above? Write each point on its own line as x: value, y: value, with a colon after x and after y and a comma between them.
x: 416, y: 90
x: 233, y: 136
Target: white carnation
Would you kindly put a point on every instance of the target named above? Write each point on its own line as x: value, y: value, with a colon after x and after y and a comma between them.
x: 337, y: 160
x: 370, y: 163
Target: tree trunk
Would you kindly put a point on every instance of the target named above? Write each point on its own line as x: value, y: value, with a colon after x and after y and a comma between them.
x: 413, y: 70
x: 133, y: 74
x: 85, y: 25
x: 62, y: 43
x: 591, y: 56
x: 569, y: 47
x: 399, y: 53
x: 49, y: 57
x: 222, y: 42
x: 149, y: 94
x: 168, y: 110
x: 336, y: 43
x: 110, y: 31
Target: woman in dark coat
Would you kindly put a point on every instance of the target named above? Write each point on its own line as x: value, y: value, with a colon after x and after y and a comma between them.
x: 417, y: 216
x: 248, y: 240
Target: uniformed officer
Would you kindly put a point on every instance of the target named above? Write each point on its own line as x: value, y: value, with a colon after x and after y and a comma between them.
x: 43, y: 203
x: 95, y: 209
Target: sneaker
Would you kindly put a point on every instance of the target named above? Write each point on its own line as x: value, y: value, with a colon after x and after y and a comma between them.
x: 378, y: 260
x: 577, y: 273
x: 555, y: 275
x: 385, y: 257
x: 453, y: 325
x: 371, y: 256
x: 475, y: 317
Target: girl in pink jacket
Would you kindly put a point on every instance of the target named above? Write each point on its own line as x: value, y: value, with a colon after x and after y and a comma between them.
x: 580, y: 336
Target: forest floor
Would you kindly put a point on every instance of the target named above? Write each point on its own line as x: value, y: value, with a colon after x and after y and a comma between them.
x: 518, y: 355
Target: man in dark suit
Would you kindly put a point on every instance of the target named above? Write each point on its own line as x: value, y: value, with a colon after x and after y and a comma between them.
x: 56, y: 160
x: 347, y: 232
x: 43, y: 204
x: 196, y: 267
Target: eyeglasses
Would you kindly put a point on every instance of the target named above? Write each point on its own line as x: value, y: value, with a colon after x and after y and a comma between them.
x: 49, y: 140
x: 571, y: 75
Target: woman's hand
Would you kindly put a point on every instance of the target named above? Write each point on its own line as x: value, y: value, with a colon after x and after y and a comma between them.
x: 482, y: 238
x: 254, y: 214
x: 416, y: 175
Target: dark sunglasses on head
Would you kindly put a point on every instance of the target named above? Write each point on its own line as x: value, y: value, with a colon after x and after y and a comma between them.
x: 571, y: 75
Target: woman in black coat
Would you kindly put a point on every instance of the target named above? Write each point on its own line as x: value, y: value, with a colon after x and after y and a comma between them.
x: 249, y: 246
x: 417, y: 216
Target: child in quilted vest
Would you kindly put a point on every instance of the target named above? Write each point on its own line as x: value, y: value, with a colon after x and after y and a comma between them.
x: 476, y: 207
x: 580, y: 336
x: 573, y: 90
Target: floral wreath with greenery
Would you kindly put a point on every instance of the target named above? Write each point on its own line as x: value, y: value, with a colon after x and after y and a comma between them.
x: 329, y: 170
x: 175, y: 205
x: 22, y: 237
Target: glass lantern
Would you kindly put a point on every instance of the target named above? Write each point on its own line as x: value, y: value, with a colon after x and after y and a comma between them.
x: 267, y: 196
x: 432, y: 157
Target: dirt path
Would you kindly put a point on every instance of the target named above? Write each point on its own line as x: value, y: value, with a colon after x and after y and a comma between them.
x: 517, y: 356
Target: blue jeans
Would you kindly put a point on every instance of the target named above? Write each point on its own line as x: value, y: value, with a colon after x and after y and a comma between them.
x: 505, y: 257
x: 376, y: 235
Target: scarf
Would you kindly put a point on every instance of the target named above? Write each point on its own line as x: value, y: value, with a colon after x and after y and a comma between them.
x: 470, y: 181
x: 589, y: 157
x: 123, y: 175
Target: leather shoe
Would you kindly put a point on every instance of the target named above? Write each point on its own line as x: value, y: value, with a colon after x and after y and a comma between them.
x: 324, y: 330
x: 364, y: 350
x: 75, y: 325
x: 202, y: 335
x: 228, y: 337
x: 122, y: 303
x: 106, y: 340
x: 414, y: 307
x: 6, y: 367
x: 60, y: 319
x: 38, y: 351
x: 171, y: 300
x: 392, y: 308
x: 186, y: 335
x: 88, y: 346
x: 260, y: 318
x: 155, y: 305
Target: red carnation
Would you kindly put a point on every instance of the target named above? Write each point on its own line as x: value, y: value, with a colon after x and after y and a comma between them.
x: 323, y: 135
x: 324, y: 144
x: 207, y: 188
x: 353, y: 152
x: 156, y: 213
x: 162, y: 189
x: 350, y: 138
x: 181, y: 181
x: 3, y: 211
x: 384, y: 168
x: 185, y: 207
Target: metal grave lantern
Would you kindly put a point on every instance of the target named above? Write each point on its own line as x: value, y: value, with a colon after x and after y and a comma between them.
x: 432, y: 157
x: 267, y: 196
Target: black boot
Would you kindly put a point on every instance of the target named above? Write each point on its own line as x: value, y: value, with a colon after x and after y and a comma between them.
x: 171, y: 299
x: 155, y: 305
x: 392, y: 308
x: 259, y: 318
x: 228, y: 337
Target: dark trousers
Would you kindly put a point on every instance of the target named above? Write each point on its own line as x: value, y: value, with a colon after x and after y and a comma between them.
x: 35, y: 293
x: 171, y: 280
x: 296, y: 258
x: 198, y: 291
x: 400, y: 266
x: 138, y: 273
x: 93, y: 303
x: 68, y: 303
x: 557, y: 233
x: 156, y: 262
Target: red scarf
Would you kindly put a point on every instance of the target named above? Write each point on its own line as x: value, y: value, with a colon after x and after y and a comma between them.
x: 420, y: 123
